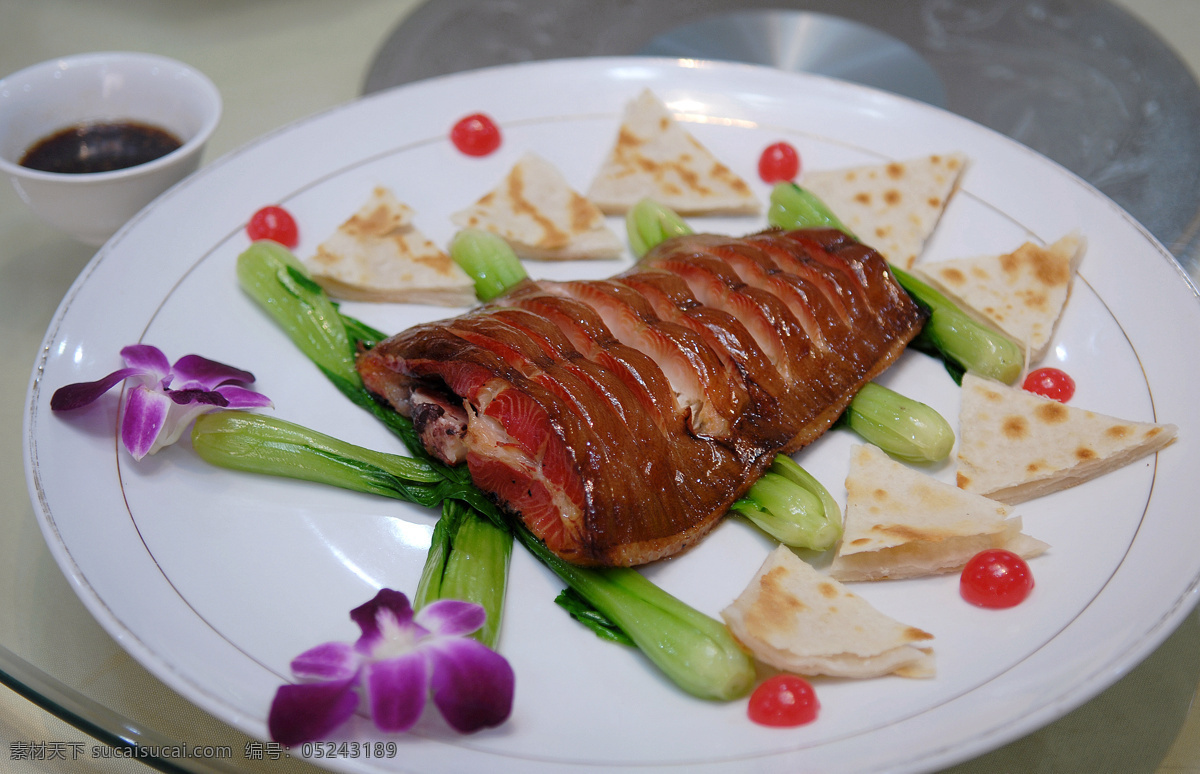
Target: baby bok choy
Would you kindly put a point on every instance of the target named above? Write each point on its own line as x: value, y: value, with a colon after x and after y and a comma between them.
x: 793, y: 507
x: 255, y: 443
x: 281, y: 285
x: 904, y: 428
x: 647, y: 223
x: 487, y: 259
x: 962, y: 342
x: 468, y: 559
x: 794, y: 207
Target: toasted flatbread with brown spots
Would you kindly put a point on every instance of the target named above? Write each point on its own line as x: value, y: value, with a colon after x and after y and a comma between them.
x: 1022, y: 293
x: 655, y: 157
x: 538, y: 213
x: 892, y: 207
x: 902, y: 523
x: 379, y: 255
x: 1014, y: 445
x: 796, y: 619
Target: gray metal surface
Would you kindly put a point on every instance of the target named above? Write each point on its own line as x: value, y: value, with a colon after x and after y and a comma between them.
x: 1081, y: 81
x: 803, y: 41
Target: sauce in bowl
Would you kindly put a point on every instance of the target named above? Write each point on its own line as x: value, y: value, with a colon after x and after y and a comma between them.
x: 99, y: 147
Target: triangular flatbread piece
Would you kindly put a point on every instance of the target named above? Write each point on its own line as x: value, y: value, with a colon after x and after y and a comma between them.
x: 378, y: 255
x: 892, y: 207
x: 655, y: 157
x: 1015, y: 445
x: 538, y: 213
x: 1022, y: 293
x: 902, y: 523
x: 795, y: 619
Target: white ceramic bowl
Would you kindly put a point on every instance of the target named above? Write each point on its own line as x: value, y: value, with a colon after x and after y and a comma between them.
x: 103, y: 87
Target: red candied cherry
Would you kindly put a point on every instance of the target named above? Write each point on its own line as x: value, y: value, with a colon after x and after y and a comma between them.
x: 1050, y: 383
x: 476, y: 135
x: 784, y: 701
x: 996, y: 578
x: 274, y: 223
x: 779, y: 162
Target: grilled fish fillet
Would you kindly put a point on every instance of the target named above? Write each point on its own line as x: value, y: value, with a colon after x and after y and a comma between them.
x: 620, y: 418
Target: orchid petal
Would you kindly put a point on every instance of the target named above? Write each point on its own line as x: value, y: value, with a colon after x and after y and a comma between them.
x: 241, y: 398
x: 198, y: 371
x: 331, y: 661
x: 451, y: 617
x: 304, y: 713
x: 147, y: 358
x: 145, y: 415
x: 396, y: 691
x: 73, y: 396
x: 472, y: 684
x: 366, y: 615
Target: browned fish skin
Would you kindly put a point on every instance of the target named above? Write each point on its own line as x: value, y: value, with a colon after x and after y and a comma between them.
x: 621, y: 418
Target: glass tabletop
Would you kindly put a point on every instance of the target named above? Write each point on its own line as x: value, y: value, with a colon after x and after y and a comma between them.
x: 73, y: 699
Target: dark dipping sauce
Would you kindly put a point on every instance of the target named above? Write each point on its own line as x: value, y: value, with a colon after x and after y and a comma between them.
x: 99, y: 147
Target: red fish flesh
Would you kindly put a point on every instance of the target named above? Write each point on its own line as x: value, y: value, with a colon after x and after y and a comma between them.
x: 620, y: 418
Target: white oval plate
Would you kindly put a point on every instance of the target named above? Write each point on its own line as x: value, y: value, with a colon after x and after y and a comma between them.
x: 214, y: 580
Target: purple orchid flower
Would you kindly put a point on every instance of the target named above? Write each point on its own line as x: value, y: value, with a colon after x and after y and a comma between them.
x: 167, y: 397
x: 398, y: 661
